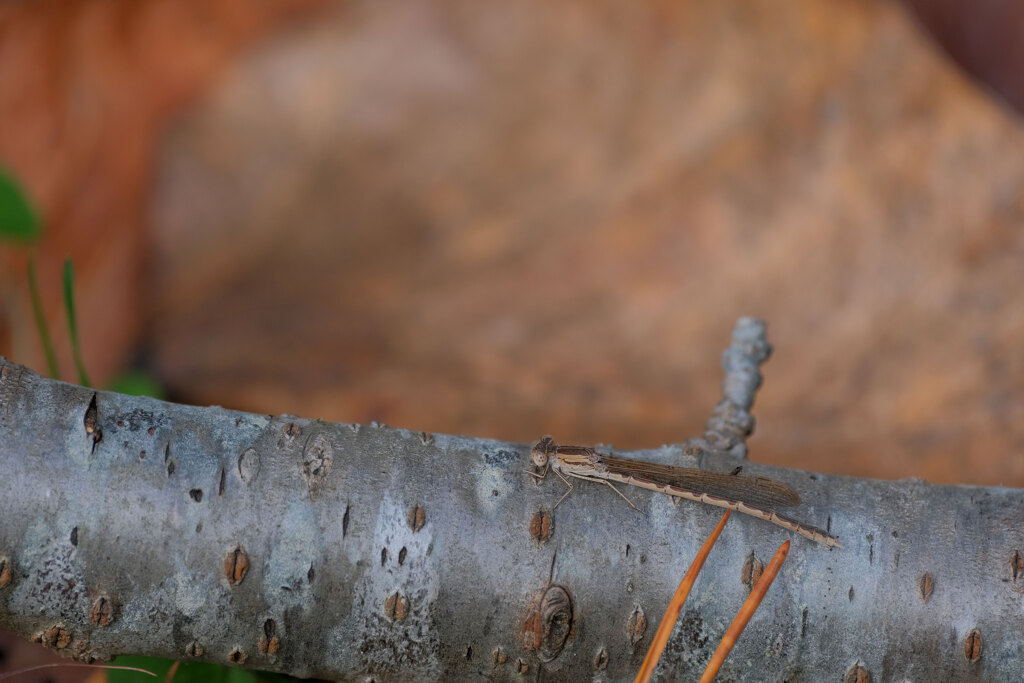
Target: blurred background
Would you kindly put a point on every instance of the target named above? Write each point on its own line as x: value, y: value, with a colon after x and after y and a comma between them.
x: 505, y: 219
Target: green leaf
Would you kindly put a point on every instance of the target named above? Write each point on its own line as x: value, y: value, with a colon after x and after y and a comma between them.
x: 19, y: 222
x: 137, y: 383
x: 188, y: 672
x: 69, y: 306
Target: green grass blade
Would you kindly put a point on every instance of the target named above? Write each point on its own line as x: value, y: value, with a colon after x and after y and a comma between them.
x: 40, y: 316
x: 19, y: 222
x: 69, y: 306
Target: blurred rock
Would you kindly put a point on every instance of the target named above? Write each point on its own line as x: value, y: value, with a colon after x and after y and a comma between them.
x: 85, y: 88
x: 509, y: 219
x: 985, y: 36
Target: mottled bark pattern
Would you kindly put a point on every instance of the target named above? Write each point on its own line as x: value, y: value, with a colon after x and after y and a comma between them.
x: 428, y: 564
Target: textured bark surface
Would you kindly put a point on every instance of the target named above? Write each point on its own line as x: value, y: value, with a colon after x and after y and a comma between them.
x: 358, y: 552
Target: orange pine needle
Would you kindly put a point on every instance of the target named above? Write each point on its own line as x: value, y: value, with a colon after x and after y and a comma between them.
x: 173, y: 670
x: 675, y: 606
x: 743, y: 616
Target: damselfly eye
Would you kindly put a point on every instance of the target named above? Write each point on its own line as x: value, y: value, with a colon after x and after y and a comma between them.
x: 539, y: 452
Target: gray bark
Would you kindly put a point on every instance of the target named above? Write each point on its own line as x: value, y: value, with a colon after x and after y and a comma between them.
x: 131, y: 525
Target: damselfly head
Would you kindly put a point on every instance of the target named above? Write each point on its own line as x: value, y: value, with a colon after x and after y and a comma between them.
x: 542, y: 450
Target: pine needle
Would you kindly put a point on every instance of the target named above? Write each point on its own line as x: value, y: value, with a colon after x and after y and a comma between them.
x: 675, y: 606
x: 54, y: 665
x: 746, y: 611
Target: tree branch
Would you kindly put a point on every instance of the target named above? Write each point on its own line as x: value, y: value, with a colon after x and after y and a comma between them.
x: 731, y: 423
x: 130, y: 525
